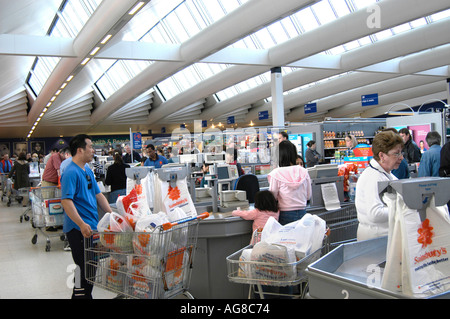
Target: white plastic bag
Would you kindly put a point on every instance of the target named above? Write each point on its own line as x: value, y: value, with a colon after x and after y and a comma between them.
x: 167, y: 198
x: 133, y: 206
x: 121, y: 232
x: 147, y: 239
x: 304, y: 235
x: 417, y: 263
x: 282, y: 257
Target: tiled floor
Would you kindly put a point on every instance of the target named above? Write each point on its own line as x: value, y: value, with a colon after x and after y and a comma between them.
x: 27, y: 271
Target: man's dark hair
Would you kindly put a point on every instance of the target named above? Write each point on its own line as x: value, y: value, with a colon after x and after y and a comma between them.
x: 151, y: 146
x: 404, y: 131
x: 77, y: 142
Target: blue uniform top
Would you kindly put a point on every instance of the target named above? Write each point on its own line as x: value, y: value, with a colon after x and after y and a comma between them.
x: 80, y: 186
x: 160, y: 161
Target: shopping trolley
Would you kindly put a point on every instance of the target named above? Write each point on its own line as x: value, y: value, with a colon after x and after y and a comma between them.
x: 3, y: 182
x: 47, y: 212
x: 144, y: 265
x: 343, y: 223
x: 25, y: 192
x: 260, y: 274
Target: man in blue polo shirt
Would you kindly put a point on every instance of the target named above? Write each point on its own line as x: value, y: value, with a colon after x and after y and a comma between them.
x: 153, y: 158
x: 79, y: 196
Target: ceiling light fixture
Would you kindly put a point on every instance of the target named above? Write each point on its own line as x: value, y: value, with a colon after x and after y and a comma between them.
x: 136, y: 8
x: 93, y: 52
x: 85, y: 61
x: 106, y: 39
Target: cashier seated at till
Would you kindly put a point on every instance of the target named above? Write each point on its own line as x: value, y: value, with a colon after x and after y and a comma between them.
x: 372, y: 212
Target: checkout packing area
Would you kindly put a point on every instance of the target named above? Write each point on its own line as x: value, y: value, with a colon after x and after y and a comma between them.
x: 342, y: 267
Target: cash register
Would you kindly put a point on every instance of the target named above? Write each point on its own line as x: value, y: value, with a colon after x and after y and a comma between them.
x: 323, y: 174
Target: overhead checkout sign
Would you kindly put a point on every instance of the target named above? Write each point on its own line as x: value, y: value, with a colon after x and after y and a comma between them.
x: 310, y: 108
x: 369, y: 99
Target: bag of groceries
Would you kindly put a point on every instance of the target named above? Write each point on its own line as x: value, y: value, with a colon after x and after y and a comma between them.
x: 147, y: 239
x: 304, y: 235
x: 417, y: 263
x: 133, y: 206
x: 115, y: 232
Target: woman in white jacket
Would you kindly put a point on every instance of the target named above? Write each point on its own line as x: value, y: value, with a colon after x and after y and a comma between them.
x: 371, y: 210
x: 290, y: 184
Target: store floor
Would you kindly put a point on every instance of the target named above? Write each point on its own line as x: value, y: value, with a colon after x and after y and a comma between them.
x: 27, y: 271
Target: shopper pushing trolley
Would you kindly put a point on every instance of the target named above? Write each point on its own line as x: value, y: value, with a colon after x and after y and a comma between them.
x: 80, y: 196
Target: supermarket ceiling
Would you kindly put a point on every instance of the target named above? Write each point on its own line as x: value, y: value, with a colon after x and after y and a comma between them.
x: 101, y: 67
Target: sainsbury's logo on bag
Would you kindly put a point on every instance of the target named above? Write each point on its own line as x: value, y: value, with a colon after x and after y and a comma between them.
x: 430, y: 254
x: 425, y: 234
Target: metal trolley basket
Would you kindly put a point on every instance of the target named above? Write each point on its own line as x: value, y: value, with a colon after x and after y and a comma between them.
x: 258, y: 274
x: 47, y: 211
x: 144, y: 265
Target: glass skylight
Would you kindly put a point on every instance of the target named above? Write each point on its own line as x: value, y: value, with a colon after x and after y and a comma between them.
x: 67, y: 24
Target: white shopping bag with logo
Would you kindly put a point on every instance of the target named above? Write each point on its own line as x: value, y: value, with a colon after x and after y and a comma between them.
x: 417, y: 260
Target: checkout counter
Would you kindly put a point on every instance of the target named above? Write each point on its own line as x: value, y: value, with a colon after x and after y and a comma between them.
x: 219, y: 235
x: 343, y: 272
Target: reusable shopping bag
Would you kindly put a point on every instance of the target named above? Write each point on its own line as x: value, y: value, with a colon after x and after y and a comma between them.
x: 417, y: 261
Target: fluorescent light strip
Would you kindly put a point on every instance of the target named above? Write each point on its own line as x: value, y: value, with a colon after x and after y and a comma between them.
x: 136, y: 8
x: 85, y: 61
x: 106, y: 39
x: 95, y: 50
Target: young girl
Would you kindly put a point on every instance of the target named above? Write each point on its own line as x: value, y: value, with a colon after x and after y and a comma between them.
x: 265, y: 206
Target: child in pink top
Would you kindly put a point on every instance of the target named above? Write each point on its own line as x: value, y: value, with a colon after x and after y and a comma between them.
x: 265, y: 206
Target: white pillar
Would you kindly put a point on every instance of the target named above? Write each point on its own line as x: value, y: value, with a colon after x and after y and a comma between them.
x: 277, y: 97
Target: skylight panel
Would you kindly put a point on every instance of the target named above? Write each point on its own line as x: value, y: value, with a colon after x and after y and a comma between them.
x: 340, y: 7
x: 307, y: 19
x: 440, y: 15
x: 323, y: 12
x: 359, y: 4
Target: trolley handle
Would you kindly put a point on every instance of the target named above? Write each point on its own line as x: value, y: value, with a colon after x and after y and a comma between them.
x: 167, y: 226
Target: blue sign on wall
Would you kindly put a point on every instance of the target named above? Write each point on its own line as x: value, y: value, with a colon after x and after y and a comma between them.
x: 204, y: 123
x: 310, y: 108
x: 230, y: 120
x: 369, y: 99
x: 263, y: 115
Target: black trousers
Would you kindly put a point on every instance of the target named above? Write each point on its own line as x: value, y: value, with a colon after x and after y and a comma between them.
x: 82, y: 288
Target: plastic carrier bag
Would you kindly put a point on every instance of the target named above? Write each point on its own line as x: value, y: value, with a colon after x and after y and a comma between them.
x: 417, y: 262
x: 282, y: 257
x: 304, y: 235
x: 168, y: 197
x: 133, y: 206
x: 146, y: 185
x: 147, y: 239
x: 120, y: 239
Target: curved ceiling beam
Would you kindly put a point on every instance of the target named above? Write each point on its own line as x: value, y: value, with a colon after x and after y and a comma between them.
x: 220, y: 34
x: 95, y: 29
x: 320, y: 39
x: 399, y: 45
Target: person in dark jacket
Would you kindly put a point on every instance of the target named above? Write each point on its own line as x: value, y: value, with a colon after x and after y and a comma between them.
x: 20, y: 173
x: 411, y: 152
x: 127, y: 157
x: 116, y: 177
